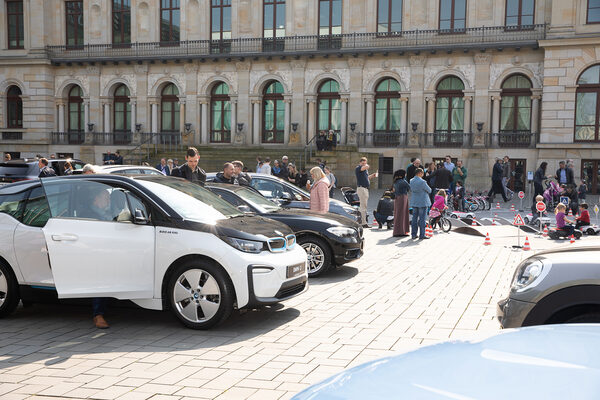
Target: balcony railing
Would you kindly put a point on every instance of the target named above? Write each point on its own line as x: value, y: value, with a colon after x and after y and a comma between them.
x: 397, y: 139
x: 517, y: 139
x: 68, y: 137
x: 434, y: 39
x: 450, y: 139
x: 112, y: 138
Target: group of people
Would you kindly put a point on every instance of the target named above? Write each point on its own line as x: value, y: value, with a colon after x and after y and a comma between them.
x: 326, y: 140
x: 112, y: 158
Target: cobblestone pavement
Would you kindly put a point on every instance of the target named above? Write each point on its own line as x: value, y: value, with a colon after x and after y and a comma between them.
x: 402, y: 294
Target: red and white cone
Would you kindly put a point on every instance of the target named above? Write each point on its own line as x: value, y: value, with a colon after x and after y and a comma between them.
x: 572, y: 239
x: 428, y: 231
x: 487, y: 241
x: 545, y: 233
x: 498, y: 206
x: 512, y: 207
x: 494, y: 222
x: 570, y: 212
x: 375, y: 223
x: 526, y: 246
x: 474, y: 222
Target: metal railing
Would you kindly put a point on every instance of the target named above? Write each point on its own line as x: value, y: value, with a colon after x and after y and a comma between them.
x: 516, y: 139
x: 112, y: 138
x: 67, y: 137
x: 450, y: 139
x: 432, y: 39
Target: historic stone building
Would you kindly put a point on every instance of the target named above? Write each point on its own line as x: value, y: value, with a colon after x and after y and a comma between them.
x: 402, y: 78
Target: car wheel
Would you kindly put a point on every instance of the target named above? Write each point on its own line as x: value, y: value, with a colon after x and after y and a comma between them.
x: 9, y: 291
x: 592, y: 317
x: 526, y: 220
x: 578, y: 235
x: 454, y: 216
x: 200, y: 294
x: 318, y: 255
x: 591, y: 231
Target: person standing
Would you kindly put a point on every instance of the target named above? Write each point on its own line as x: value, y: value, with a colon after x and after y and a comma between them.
x: 506, y: 175
x: 448, y: 164
x: 497, y: 182
x: 319, y: 191
x: 7, y: 157
x: 118, y: 158
x: 227, y: 176
x: 459, y: 173
x: 410, y: 171
x: 419, y: 201
x: 564, y: 174
x: 190, y: 170
x: 170, y: 165
x: 265, y: 168
x: 331, y: 177
x: 163, y: 167
x: 68, y: 168
x: 443, y: 177
x: 538, y: 179
x: 429, y: 178
x: 363, y: 184
x: 401, y: 189
x: 45, y: 170
x: 243, y: 179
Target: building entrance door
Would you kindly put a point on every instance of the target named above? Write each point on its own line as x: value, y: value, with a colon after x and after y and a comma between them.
x: 590, y: 173
x: 518, y: 180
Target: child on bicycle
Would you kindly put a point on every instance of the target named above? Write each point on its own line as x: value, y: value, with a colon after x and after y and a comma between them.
x: 439, y: 205
x: 584, y: 217
x: 562, y: 222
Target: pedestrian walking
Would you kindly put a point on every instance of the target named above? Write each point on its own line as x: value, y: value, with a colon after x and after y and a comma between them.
x: 497, y: 181
x: 538, y: 179
x: 362, y: 182
x: 401, y: 217
x: 506, y: 175
x: 419, y: 201
x: 319, y: 191
x: 331, y: 177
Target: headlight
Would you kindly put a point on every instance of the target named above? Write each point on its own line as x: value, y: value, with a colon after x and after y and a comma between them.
x: 341, y: 231
x: 526, y: 274
x: 247, y: 246
x: 351, y: 210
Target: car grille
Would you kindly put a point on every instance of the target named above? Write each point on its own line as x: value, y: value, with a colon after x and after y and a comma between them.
x: 360, y: 232
x: 290, y: 241
x: 290, y: 291
x: 279, y: 244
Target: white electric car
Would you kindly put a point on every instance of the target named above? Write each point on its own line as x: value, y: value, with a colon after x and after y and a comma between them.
x: 163, y: 243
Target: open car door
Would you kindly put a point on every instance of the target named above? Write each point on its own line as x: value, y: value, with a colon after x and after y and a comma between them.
x: 95, y: 246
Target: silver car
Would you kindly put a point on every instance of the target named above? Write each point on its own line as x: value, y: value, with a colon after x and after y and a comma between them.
x: 553, y: 287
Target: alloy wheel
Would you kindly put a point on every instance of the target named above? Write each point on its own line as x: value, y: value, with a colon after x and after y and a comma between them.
x: 196, y: 295
x: 315, y: 257
x: 3, y: 288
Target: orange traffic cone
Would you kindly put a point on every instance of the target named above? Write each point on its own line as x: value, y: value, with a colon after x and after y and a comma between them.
x: 473, y: 222
x: 375, y: 223
x: 526, y: 246
x: 570, y: 212
x: 545, y: 234
x: 512, y: 207
x: 429, y: 231
x: 494, y: 222
x: 572, y: 239
x: 487, y: 241
x: 498, y: 206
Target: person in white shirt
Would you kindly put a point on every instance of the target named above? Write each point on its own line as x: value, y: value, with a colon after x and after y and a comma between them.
x: 448, y: 164
x: 266, y: 167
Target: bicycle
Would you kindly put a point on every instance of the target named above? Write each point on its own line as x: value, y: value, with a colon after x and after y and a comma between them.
x: 442, y: 221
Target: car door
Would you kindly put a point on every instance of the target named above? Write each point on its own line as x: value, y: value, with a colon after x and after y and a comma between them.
x: 95, y: 248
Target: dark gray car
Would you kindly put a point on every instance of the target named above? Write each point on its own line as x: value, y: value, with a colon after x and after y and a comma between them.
x: 26, y: 169
x: 552, y: 287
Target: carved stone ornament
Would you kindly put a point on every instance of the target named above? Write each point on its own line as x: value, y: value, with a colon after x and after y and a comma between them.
x: 243, y: 66
x: 516, y: 60
x: 298, y: 64
x: 93, y: 70
x: 140, y: 69
x: 449, y: 61
x: 190, y: 68
x: 271, y: 67
x: 413, y: 139
x: 294, y: 138
x: 327, y: 67
x: 417, y: 61
x: 356, y: 62
x: 239, y: 138
x: 478, y: 139
x: 483, y: 59
x: 386, y: 65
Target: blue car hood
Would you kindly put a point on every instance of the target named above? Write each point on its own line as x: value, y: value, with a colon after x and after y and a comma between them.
x: 541, y: 362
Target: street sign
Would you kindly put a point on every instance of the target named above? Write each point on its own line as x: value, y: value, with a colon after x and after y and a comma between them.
x: 564, y: 200
x: 521, y: 195
x: 541, y: 206
x: 596, y: 209
x: 518, y: 221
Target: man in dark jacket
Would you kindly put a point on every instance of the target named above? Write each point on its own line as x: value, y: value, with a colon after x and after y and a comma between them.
x: 497, y: 181
x: 242, y: 178
x: 45, y: 170
x: 190, y: 170
x: 564, y: 174
x: 385, y: 209
x: 412, y: 168
x: 227, y: 176
x: 443, y: 177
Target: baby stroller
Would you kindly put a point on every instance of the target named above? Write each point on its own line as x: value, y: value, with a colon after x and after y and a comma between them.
x: 350, y: 196
x: 552, y: 194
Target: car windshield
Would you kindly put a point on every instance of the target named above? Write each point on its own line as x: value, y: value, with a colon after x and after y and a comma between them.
x: 196, y: 203
x: 257, y: 200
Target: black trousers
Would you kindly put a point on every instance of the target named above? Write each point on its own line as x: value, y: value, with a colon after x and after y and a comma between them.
x: 497, y: 189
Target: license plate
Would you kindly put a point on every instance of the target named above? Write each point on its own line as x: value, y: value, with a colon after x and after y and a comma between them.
x: 295, y: 270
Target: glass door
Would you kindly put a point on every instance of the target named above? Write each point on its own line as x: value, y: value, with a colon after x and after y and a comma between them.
x: 590, y: 173
x: 518, y: 180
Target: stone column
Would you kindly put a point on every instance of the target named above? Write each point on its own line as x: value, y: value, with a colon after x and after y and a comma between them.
x: 181, y: 115
x: 312, y: 118
x: 343, y: 128
x: 154, y: 117
x: 430, y: 128
x: 495, y: 120
x: 535, y: 110
x: 61, y: 116
x: 86, y: 114
x: 204, y: 134
x: 404, y: 115
x: 233, y: 121
x: 286, y: 120
x: 106, y: 127
x: 467, y: 120
x: 256, y: 122
x: 370, y: 104
x: 133, y: 115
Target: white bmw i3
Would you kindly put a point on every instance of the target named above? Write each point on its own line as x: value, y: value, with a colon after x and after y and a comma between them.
x: 163, y: 243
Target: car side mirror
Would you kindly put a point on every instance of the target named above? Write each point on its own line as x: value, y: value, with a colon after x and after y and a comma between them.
x: 140, y: 217
x: 286, y: 198
x: 244, y: 208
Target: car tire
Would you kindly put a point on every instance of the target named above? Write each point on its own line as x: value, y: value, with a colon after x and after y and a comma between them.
x: 526, y: 220
x: 318, y: 253
x: 591, y: 231
x: 200, y: 294
x: 9, y: 291
x: 588, y: 318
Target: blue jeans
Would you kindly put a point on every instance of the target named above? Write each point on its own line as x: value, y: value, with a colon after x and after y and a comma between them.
x: 99, y: 306
x: 418, y: 222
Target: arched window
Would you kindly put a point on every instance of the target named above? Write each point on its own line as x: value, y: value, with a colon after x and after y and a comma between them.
x: 14, y: 107
x: 450, y: 106
x: 387, y: 106
x: 76, y: 117
x: 515, y: 111
x: 330, y: 107
x: 169, y: 106
x: 220, y: 106
x: 122, y: 109
x: 587, y: 108
x: 273, y: 113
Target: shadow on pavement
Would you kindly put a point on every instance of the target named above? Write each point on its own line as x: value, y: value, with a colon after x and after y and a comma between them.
x: 335, y: 275
x: 54, y: 333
